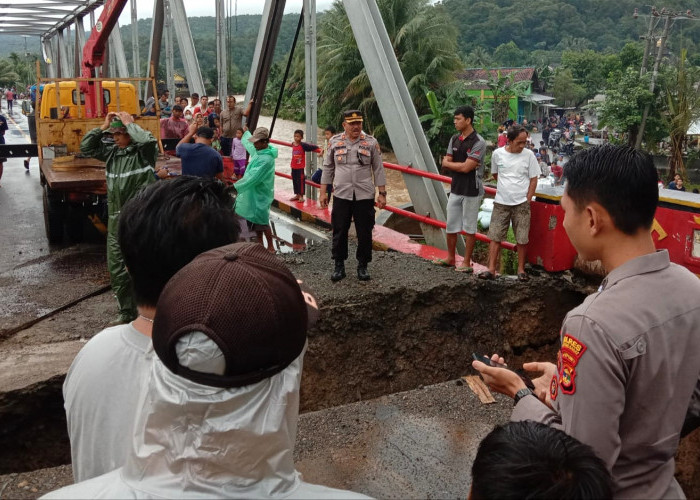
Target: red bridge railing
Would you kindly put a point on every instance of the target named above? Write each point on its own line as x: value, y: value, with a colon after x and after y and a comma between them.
x: 405, y: 213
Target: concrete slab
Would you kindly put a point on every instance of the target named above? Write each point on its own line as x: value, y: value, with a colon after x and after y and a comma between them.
x: 39, y: 362
x: 415, y: 444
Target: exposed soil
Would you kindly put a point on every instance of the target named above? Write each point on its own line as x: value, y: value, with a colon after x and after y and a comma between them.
x: 416, y: 324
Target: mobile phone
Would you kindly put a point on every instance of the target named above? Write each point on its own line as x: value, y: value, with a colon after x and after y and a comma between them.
x: 488, y: 362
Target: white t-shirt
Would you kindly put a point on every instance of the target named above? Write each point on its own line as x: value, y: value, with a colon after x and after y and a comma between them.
x: 101, y: 393
x: 514, y: 174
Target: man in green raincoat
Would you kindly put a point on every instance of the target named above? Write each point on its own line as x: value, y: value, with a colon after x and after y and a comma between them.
x: 257, y: 187
x: 130, y: 165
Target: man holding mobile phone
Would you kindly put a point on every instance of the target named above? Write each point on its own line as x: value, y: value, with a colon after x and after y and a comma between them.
x: 629, y: 360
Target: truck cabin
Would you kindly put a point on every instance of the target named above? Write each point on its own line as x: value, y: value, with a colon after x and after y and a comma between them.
x: 72, y: 106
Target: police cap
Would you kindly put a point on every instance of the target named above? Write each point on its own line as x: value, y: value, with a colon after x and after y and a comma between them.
x: 352, y: 115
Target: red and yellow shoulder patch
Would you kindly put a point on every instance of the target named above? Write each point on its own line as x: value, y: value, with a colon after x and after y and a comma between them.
x: 571, y: 351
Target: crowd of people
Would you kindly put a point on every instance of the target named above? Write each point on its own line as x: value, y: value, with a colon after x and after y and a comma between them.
x: 226, y: 125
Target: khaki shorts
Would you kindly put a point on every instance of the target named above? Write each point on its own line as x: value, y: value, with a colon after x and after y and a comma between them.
x: 503, y: 215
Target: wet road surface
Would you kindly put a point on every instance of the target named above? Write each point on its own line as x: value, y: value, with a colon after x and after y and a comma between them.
x: 36, y: 278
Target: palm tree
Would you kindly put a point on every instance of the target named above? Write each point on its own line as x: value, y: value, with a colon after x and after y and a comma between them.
x: 424, y: 41
x: 479, y: 57
x: 23, y: 68
x: 8, y: 76
x: 679, y: 94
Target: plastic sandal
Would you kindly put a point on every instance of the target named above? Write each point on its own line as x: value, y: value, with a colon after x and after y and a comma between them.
x: 442, y: 263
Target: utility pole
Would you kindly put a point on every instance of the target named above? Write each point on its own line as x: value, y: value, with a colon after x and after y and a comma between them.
x: 649, y: 38
x: 670, y: 17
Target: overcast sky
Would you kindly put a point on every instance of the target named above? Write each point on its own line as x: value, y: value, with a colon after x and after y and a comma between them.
x: 206, y: 7
x: 194, y: 8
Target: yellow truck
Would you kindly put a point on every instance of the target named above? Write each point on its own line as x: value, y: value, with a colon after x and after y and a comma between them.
x: 74, y: 188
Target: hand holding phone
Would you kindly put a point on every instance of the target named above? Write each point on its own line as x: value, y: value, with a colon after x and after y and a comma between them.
x: 489, y: 362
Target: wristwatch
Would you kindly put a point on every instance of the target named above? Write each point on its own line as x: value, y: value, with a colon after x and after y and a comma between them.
x: 382, y: 193
x: 522, y: 393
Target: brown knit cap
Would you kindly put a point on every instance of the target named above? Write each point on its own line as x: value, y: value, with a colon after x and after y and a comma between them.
x: 245, y: 300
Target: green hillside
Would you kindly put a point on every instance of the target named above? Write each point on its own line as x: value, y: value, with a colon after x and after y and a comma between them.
x: 243, y: 36
x: 542, y: 28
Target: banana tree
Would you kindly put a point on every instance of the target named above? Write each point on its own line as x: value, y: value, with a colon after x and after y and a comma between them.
x: 680, y: 95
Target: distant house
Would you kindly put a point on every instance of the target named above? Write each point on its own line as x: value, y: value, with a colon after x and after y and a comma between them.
x: 180, y: 84
x: 532, y: 105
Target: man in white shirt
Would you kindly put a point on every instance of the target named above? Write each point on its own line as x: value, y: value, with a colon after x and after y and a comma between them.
x: 194, y: 103
x: 516, y: 170
x: 161, y: 230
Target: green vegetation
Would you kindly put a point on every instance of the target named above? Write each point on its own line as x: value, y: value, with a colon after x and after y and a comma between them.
x: 547, y: 28
x: 244, y: 34
x: 625, y: 97
x: 424, y: 41
x: 18, y: 71
x: 680, y: 101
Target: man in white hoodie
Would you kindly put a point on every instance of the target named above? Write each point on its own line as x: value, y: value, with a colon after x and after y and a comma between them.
x: 218, y: 415
x: 161, y: 229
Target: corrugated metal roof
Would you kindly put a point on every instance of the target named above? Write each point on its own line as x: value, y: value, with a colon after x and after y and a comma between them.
x: 475, y: 74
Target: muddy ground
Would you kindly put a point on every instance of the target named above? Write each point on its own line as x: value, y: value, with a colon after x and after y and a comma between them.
x: 412, y: 325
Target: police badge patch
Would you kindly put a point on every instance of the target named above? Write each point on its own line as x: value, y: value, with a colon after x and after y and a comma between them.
x: 571, y: 351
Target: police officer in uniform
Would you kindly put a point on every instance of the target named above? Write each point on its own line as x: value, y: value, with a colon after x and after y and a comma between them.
x: 630, y: 354
x: 353, y: 165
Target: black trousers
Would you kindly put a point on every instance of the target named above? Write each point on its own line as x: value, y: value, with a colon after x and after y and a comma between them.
x: 298, y: 180
x: 226, y: 143
x: 362, y: 211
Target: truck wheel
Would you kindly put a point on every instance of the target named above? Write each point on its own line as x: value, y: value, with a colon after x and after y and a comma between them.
x: 54, y: 215
x: 75, y: 224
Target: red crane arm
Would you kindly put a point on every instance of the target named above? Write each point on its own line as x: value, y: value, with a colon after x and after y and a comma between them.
x: 94, y: 50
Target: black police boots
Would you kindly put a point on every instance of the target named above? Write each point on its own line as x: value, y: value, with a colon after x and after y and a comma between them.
x: 362, y: 273
x: 339, y: 271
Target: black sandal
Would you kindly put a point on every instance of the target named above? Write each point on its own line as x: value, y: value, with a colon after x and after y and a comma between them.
x: 487, y: 275
x: 523, y: 277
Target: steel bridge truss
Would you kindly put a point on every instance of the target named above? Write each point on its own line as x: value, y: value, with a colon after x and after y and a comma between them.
x: 54, y: 20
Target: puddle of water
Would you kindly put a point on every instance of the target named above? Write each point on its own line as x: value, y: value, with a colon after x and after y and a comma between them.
x: 288, y: 234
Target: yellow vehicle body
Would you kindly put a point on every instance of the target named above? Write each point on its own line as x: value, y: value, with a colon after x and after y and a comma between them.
x: 66, y: 124
x: 69, y: 132
x: 73, y: 106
